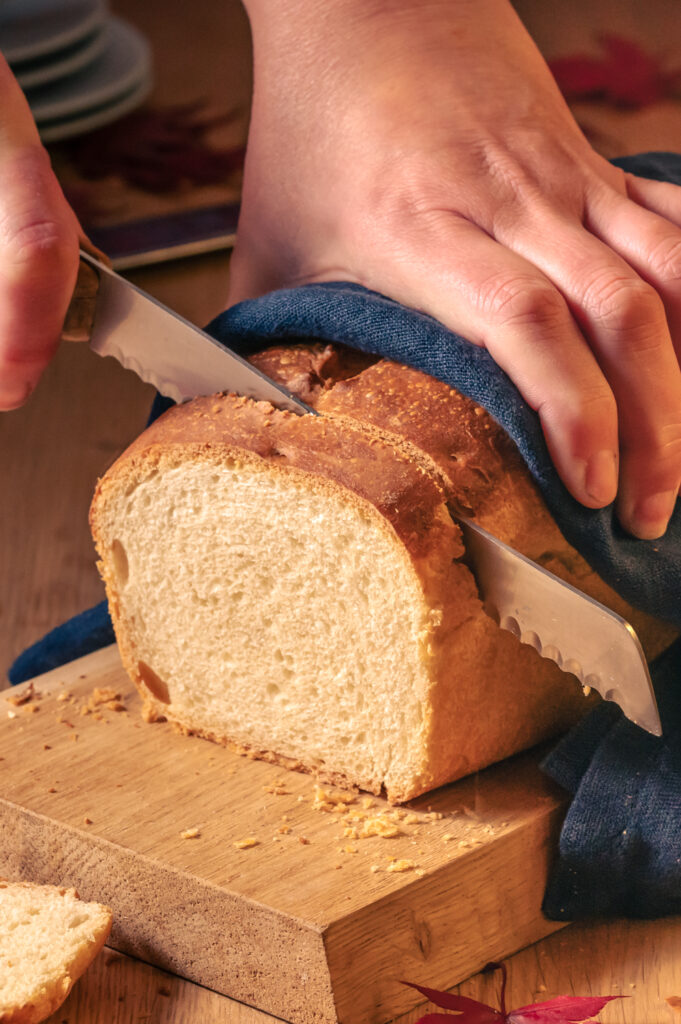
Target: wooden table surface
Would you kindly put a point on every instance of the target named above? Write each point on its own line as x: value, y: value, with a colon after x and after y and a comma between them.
x: 84, y: 412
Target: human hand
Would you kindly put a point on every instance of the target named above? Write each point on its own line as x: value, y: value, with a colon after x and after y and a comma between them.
x: 39, y: 236
x: 423, y: 150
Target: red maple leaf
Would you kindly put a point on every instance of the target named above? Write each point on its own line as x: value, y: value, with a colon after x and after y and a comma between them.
x: 561, y: 1010
x: 625, y: 75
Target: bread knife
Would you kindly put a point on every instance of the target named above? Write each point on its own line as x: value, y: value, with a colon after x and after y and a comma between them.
x: 164, y: 349
x: 581, y: 635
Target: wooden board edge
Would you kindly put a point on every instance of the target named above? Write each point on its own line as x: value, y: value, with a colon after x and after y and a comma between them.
x: 253, y: 954
x: 436, y: 930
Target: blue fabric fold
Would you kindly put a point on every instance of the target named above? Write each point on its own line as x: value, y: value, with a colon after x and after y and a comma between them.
x: 620, y: 850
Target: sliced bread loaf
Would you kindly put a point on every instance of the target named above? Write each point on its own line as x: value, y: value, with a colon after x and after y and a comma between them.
x: 48, y: 938
x: 295, y: 585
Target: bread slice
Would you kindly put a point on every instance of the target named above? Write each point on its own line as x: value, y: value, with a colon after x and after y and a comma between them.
x: 48, y: 938
x: 295, y: 585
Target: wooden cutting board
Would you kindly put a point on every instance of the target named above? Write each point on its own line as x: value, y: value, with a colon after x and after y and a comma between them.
x: 308, y: 923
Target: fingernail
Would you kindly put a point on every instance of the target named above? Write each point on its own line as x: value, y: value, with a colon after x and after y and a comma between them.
x: 14, y: 396
x: 600, y: 478
x: 651, y: 516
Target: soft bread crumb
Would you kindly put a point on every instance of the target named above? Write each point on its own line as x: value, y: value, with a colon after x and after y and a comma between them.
x: 17, y: 699
x: 48, y: 938
x: 246, y: 844
x: 401, y: 865
x: 190, y: 833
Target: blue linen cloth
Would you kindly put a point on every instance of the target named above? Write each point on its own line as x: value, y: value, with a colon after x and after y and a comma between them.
x: 620, y: 848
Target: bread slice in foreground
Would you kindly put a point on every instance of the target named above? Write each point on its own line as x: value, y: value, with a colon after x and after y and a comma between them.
x: 48, y: 938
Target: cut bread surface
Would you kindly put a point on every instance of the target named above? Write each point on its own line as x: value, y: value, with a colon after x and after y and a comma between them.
x: 292, y: 619
x: 48, y: 938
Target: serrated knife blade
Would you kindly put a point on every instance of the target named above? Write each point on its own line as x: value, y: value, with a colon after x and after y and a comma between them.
x: 165, y: 350
x: 581, y: 635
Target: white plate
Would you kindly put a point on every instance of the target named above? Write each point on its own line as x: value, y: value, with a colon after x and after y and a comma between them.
x: 65, y: 62
x: 120, y: 68
x: 65, y: 128
x: 30, y: 29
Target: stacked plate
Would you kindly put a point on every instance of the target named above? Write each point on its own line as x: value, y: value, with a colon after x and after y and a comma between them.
x: 79, y: 66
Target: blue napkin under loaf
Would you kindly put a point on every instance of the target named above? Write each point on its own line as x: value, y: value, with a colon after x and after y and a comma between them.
x: 620, y: 847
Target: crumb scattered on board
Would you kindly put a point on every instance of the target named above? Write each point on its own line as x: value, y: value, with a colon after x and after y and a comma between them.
x: 190, y: 833
x: 355, y: 816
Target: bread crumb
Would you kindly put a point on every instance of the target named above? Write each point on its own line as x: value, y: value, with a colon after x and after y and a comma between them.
x: 17, y: 699
x: 401, y: 865
x: 350, y: 849
x: 52, y: 790
x: 448, y: 837
x: 284, y: 830
x: 32, y: 707
x: 329, y: 801
x: 380, y: 827
x: 374, y: 868
x: 303, y: 840
x: 11, y: 714
x: 87, y: 821
x: 116, y: 705
x: 64, y: 695
x: 103, y: 694
x: 46, y: 746
x: 412, y: 819
x: 246, y: 844
x: 368, y: 802
x: 675, y: 1003
x: 190, y: 833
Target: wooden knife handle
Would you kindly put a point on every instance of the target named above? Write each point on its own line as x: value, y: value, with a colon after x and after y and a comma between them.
x: 81, y: 312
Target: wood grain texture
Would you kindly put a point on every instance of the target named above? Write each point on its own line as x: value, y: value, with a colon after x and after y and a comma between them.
x: 638, y: 959
x: 288, y: 925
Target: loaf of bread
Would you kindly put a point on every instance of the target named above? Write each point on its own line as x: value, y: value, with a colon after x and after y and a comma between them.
x: 48, y: 938
x: 295, y: 585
